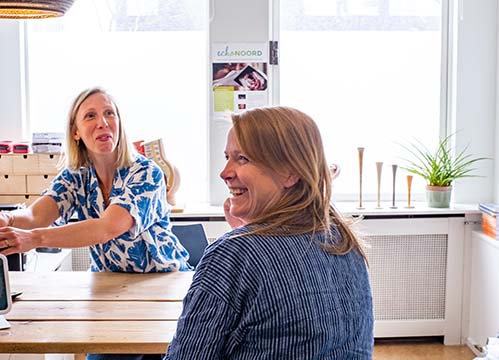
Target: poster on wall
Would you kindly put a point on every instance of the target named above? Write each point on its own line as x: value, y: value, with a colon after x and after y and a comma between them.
x: 239, y: 76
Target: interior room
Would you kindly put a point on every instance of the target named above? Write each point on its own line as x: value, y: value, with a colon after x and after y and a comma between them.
x: 393, y: 85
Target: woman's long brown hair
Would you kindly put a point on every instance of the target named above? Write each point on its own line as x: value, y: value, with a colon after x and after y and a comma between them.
x: 284, y: 140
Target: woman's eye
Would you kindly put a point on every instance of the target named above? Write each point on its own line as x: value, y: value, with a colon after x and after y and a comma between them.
x: 242, y: 159
x: 89, y: 116
x: 109, y: 113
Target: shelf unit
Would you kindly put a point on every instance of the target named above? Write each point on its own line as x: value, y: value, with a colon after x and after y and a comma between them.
x: 24, y: 176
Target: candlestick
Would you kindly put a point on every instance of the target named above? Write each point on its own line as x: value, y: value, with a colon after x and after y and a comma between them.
x: 409, y: 186
x: 394, y: 171
x: 379, y: 167
x: 361, y: 157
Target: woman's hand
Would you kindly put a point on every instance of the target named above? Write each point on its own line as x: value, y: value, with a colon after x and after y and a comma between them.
x: 14, y: 240
x: 5, y: 218
x: 233, y: 221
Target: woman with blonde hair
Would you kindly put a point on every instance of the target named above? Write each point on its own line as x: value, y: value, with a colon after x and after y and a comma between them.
x: 119, y: 198
x: 290, y: 281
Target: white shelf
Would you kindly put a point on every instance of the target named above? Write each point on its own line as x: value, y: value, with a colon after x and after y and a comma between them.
x: 347, y: 208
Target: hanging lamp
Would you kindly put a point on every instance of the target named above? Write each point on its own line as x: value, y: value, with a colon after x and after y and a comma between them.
x: 33, y: 9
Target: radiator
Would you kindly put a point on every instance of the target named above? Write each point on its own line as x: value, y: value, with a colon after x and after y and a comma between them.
x: 80, y: 259
x: 408, y: 276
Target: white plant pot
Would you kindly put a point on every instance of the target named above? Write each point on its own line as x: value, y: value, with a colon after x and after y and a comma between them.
x: 438, y: 196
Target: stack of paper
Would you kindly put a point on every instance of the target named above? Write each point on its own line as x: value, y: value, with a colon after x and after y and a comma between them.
x: 50, y: 143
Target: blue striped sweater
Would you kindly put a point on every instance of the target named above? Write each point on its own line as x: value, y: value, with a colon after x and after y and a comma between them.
x: 275, y: 297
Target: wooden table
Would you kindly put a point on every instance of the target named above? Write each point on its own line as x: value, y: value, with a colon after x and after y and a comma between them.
x: 85, y: 312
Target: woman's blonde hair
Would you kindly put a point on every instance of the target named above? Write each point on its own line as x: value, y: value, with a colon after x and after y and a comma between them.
x: 287, y: 141
x: 76, y: 151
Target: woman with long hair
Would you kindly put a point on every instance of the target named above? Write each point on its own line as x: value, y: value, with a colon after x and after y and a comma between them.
x: 290, y: 281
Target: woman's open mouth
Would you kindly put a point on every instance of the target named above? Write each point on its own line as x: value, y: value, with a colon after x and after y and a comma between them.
x: 104, y: 137
x: 237, y: 191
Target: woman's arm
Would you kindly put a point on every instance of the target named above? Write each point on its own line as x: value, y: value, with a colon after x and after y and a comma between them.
x: 41, y: 213
x: 115, y: 221
x: 195, y: 337
x: 220, y: 291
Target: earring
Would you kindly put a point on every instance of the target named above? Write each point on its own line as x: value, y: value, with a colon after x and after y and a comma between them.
x: 78, y: 143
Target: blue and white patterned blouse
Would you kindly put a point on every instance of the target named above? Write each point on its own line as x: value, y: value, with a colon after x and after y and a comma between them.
x: 257, y: 297
x: 150, y: 245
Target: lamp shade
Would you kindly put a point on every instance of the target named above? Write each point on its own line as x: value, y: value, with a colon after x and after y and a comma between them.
x: 33, y: 9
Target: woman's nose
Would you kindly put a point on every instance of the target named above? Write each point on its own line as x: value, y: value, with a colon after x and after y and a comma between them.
x: 102, y: 122
x: 227, y: 172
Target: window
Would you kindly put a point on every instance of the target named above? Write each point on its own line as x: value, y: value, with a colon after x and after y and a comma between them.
x: 151, y: 55
x: 369, y: 72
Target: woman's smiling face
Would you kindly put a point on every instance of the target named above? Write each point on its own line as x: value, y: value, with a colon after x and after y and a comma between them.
x: 97, y: 125
x: 252, y: 187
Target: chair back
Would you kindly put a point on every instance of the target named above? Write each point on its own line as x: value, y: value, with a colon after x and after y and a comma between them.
x: 193, y: 238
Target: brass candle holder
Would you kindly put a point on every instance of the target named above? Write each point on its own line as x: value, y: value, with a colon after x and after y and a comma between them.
x: 409, y: 186
x: 360, y: 150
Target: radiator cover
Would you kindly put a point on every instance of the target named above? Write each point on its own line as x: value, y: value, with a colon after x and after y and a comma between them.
x: 408, y: 276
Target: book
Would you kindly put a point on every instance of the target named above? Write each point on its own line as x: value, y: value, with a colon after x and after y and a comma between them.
x: 489, y: 208
x: 489, y: 220
x: 491, y: 234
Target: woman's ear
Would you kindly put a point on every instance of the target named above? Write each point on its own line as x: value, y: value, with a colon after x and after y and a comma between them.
x: 76, y: 136
x: 291, y: 181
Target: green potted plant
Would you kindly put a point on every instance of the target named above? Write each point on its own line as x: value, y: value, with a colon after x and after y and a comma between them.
x: 440, y: 168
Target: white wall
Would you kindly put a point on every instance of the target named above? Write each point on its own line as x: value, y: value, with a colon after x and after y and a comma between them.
x: 496, y: 133
x: 12, y: 108
x: 475, y: 108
